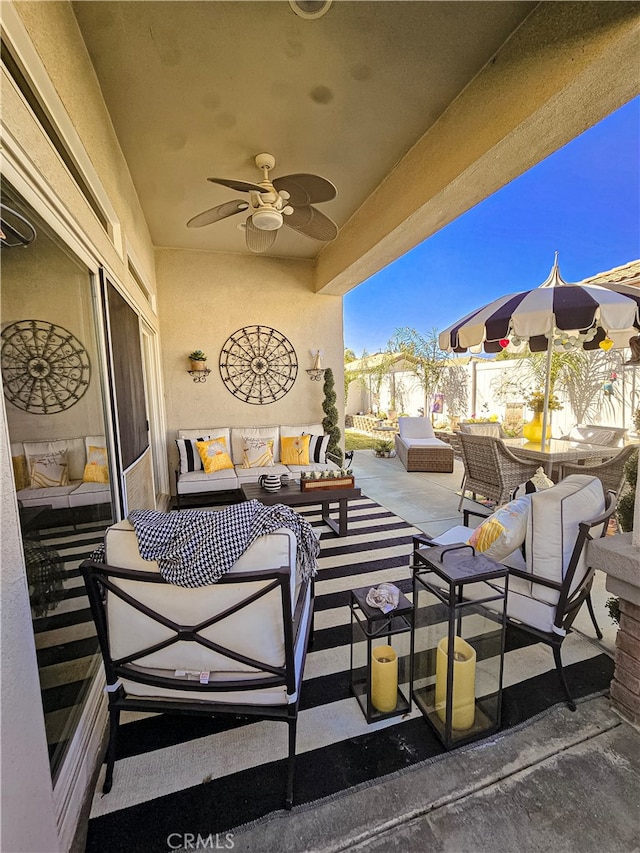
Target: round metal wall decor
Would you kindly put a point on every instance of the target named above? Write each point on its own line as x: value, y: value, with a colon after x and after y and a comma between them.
x: 45, y: 369
x: 258, y: 365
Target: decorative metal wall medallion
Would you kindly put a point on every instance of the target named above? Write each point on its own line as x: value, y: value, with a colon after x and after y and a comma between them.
x: 258, y: 365
x: 45, y: 369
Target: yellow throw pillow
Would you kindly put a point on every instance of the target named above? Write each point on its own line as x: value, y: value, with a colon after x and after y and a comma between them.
x: 295, y: 450
x: 257, y: 453
x: 214, y: 455
x: 20, y: 472
x: 48, y: 470
x: 504, y: 531
x: 96, y: 470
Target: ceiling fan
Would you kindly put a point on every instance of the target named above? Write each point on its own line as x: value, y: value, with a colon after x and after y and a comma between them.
x: 284, y: 201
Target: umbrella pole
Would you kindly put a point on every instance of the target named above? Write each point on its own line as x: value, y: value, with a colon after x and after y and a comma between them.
x: 547, y: 391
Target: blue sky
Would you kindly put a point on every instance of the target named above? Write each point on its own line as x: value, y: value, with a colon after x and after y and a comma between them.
x: 583, y: 201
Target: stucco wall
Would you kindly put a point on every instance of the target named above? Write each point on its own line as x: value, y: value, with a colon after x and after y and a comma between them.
x: 204, y: 297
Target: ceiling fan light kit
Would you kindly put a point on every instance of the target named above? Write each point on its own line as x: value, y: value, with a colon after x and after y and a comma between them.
x: 310, y: 9
x: 267, y: 219
x: 290, y: 196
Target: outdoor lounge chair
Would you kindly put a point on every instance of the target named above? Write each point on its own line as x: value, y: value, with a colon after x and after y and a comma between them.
x: 419, y: 450
x: 547, y: 588
x: 610, y: 472
x: 234, y: 647
x: 491, y: 469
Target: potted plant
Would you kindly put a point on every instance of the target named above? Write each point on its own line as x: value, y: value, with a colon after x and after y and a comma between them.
x: 198, y: 360
x: 383, y: 447
x: 532, y: 431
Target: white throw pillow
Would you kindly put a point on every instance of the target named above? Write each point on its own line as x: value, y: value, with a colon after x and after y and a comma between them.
x: 257, y: 453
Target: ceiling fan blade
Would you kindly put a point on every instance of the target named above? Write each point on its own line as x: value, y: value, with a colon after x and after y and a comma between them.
x: 239, y: 186
x: 306, y: 189
x: 217, y: 213
x: 310, y: 222
x: 257, y: 239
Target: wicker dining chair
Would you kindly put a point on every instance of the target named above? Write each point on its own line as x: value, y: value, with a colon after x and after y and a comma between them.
x: 493, y: 428
x: 610, y: 472
x: 491, y: 469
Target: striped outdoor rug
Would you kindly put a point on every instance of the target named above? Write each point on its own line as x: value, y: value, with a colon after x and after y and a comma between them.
x: 207, y: 776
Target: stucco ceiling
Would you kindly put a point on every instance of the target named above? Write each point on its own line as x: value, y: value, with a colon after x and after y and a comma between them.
x: 197, y: 89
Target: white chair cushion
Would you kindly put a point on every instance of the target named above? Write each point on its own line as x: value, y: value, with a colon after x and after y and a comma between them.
x: 256, y: 631
x: 553, y: 527
x: 422, y: 442
x: 415, y: 428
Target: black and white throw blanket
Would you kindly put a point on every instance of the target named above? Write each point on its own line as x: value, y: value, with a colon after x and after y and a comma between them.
x: 195, y: 547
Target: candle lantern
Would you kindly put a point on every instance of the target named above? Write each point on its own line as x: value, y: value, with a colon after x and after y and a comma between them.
x: 381, y: 659
x: 460, y: 618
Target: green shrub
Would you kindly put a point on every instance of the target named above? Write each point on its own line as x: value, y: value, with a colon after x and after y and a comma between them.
x: 626, y: 504
x: 330, y: 420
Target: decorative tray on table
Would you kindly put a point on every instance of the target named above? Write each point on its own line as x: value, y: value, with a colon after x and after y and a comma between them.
x: 316, y: 480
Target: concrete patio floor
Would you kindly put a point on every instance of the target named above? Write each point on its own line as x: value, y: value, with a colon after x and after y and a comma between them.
x: 567, y: 782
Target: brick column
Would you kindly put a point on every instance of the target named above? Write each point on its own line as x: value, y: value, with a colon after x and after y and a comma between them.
x: 619, y: 557
x: 625, y: 687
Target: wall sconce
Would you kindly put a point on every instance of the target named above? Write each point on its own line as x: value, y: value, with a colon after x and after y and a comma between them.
x: 317, y: 371
x: 199, y: 375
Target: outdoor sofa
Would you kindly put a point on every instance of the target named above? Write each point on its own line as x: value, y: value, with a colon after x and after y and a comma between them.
x: 191, y: 479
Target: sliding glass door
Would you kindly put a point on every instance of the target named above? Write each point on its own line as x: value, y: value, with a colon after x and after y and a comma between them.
x: 63, y: 466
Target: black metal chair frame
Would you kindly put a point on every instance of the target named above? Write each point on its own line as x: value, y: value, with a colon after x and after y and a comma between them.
x: 99, y: 580
x: 569, y: 603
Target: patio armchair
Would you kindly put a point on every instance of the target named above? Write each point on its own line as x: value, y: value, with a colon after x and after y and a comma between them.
x: 235, y: 647
x: 418, y: 448
x: 548, y: 586
x: 595, y: 434
x: 610, y: 472
x: 490, y: 468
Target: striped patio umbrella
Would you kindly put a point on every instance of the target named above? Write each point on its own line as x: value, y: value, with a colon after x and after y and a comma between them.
x: 556, y: 315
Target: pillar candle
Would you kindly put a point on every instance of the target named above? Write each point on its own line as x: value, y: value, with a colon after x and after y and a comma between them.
x: 384, y: 678
x: 464, y: 683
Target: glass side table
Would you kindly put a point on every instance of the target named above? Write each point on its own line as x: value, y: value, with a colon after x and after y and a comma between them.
x: 459, y: 600
x: 381, y: 656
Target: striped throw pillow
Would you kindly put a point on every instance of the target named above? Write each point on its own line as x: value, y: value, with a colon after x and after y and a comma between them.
x: 189, y: 457
x: 318, y: 449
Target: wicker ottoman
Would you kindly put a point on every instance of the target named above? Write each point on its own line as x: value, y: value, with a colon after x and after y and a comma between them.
x: 437, y: 457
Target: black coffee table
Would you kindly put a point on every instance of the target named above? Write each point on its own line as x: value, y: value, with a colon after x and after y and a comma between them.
x: 291, y: 494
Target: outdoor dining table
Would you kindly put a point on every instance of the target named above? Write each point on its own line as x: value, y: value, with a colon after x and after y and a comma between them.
x: 558, y: 450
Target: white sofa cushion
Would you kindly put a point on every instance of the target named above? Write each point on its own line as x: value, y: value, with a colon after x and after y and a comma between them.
x: 57, y: 497
x: 197, y: 482
x: 251, y: 475
x: 411, y: 428
x: 291, y: 430
x: 73, y: 447
x: 87, y: 494
x: 214, y: 432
